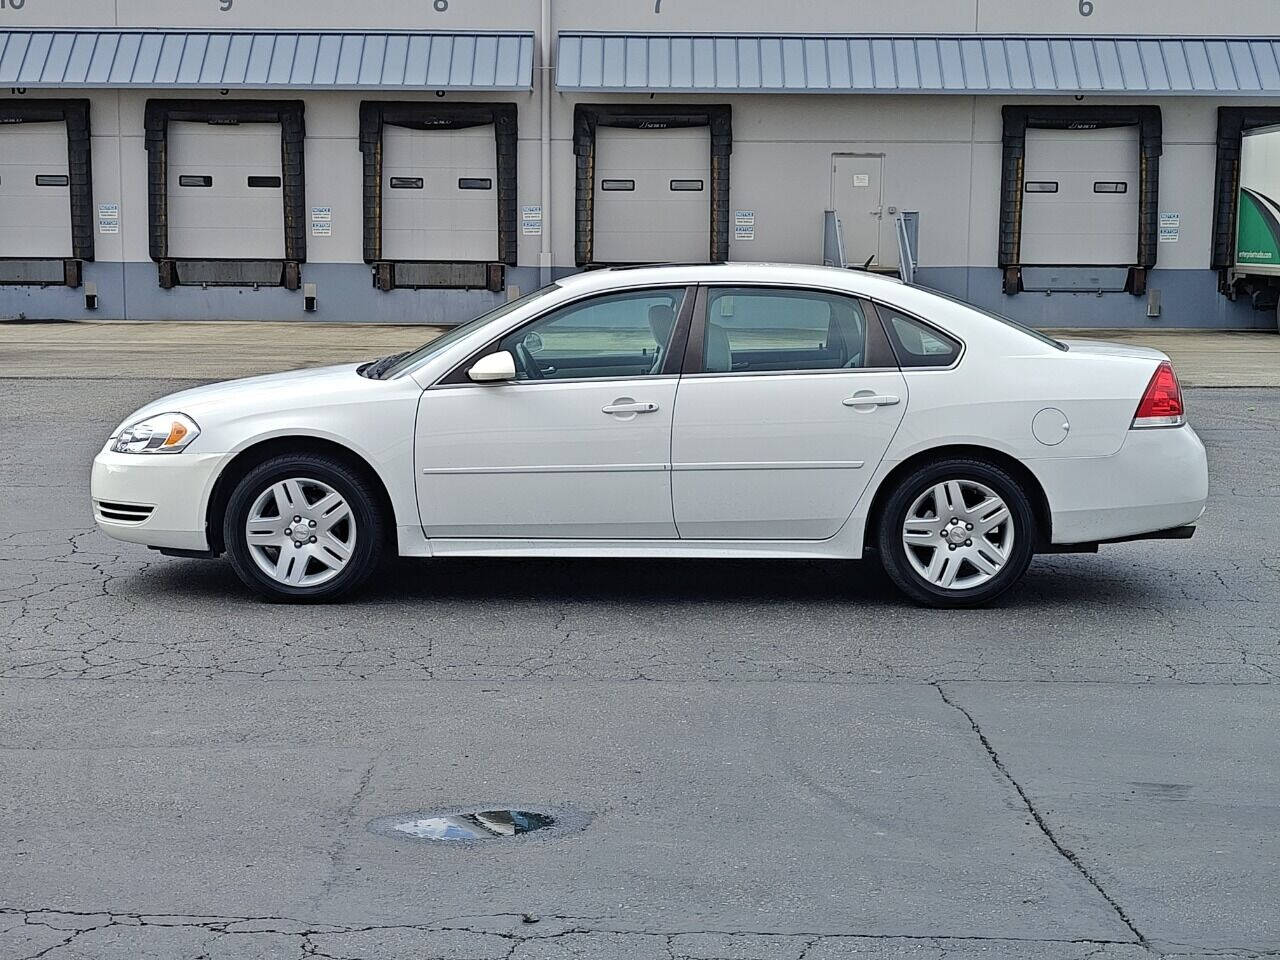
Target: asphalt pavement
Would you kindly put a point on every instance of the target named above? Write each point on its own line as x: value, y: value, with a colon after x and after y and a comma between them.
x: 762, y: 759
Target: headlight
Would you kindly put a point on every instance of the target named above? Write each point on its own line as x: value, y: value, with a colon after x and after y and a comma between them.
x: 163, y: 433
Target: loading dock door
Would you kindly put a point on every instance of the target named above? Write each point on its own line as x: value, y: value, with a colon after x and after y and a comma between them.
x: 857, y: 196
x: 1080, y: 197
x: 226, y: 196
x: 652, y: 195
x: 35, y: 191
x: 439, y: 194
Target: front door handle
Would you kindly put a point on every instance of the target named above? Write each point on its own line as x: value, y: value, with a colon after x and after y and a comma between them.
x: 859, y: 400
x: 630, y: 406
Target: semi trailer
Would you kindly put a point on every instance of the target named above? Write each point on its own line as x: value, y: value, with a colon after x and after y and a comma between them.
x: 1256, y: 270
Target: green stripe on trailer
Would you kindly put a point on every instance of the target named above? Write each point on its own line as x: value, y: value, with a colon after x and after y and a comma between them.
x: 1256, y: 236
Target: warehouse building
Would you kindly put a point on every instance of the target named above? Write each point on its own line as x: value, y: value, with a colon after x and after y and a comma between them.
x: 1066, y: 162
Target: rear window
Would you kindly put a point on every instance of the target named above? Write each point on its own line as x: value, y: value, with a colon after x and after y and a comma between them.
x: 1007, y: 321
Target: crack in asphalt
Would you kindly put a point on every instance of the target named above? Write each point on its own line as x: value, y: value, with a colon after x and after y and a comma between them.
x: 348, y: 818
x: 1067, y: 854
x: 505, y: 935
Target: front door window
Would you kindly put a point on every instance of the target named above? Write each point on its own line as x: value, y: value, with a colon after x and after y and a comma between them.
x: 623, y: 335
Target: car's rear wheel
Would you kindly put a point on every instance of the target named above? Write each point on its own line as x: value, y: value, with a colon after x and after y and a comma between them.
x: 957, y: 533
x: 303, y: 527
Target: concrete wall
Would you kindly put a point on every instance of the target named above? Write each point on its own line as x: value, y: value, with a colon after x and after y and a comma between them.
x: 942, y: 154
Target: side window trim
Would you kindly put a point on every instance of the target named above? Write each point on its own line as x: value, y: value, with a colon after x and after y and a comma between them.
x: 696, y: 334
x: 879, y: 351
x: 962, y: 347
x: 880, y: 355
x: 673, y: 362
x: 458, y: 375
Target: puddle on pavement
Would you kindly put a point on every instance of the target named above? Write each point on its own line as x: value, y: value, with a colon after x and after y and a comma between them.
x: 479, y: 823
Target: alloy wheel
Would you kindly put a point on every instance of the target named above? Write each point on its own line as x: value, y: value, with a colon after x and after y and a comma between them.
x: 300, y: 532
x: 958, y: 534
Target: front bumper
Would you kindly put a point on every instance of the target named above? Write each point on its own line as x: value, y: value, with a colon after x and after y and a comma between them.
x: 1158, y: 480
x: 159, y: 500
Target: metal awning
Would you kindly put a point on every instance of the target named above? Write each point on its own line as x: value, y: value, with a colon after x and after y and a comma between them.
x: 265, y: 60
x: 736, y: 63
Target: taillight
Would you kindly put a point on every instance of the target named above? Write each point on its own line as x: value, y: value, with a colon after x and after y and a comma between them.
x: 1161, y: 405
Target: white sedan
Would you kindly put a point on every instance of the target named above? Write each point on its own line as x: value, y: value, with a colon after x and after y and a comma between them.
x: 737, y: 410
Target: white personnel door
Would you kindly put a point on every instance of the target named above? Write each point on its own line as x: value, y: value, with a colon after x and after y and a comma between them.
x: 1080, y: 197
x: 857, y: 196
x: 226, y: 191
x: 439, y: 194
x: 652, y: 195
x: 35, y: 191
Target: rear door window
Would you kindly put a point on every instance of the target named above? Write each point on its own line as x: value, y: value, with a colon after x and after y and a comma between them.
x: 766, y: 330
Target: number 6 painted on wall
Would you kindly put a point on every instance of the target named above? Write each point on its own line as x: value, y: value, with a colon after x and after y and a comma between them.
x: 225, y: 5
x: 1086, y: 8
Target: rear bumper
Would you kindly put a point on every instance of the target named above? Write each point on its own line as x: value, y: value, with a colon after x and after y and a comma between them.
x: 1157, y: 481
x: 163, y: 497
x: 1173, y: 533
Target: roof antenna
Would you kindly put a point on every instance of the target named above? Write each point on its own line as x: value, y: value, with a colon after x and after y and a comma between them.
x: 867, y: 265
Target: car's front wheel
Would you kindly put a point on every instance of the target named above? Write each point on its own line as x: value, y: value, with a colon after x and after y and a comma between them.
x: 957, y: 533
x: 303, y: 527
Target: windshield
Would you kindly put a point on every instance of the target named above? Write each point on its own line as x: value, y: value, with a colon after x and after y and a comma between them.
x: 1007, y: 321
x: 459, y: 332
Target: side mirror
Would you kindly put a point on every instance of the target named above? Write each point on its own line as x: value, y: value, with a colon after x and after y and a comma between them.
x: 493, y: 368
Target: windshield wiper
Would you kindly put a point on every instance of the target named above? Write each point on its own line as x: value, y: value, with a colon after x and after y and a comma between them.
x: 375, y: 370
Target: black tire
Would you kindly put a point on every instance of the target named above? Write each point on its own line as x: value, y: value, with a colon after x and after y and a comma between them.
x: 366, y: 517
x: 893, y: 551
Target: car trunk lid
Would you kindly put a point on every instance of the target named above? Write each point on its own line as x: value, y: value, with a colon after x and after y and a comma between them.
x: 1111, y: 348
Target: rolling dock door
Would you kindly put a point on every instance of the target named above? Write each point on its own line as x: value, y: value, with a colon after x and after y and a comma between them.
x: 226, y: 188
x: 46, y: 196
x: 225, y: 192
x: 35, y: 192
x: 652, y: 183
x: 1079, y: 197
x: 653, y: 190
x: 439, y: 193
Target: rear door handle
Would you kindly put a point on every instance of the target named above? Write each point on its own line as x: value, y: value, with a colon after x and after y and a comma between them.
x: 630, y: 407
x: 870, y: 401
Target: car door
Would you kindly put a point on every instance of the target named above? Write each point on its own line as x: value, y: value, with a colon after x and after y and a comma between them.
x: 789, y: 400
x: 577, y: 445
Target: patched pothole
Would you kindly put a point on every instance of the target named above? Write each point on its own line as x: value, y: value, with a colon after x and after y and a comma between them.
x: 480, y: 823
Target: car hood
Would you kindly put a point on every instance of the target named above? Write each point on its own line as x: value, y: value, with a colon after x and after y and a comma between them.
x: 275, y: 391
x: 1110, y: 348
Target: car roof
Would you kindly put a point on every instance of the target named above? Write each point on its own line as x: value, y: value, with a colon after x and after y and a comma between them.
x: 854, y: 281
